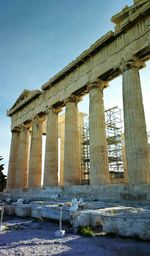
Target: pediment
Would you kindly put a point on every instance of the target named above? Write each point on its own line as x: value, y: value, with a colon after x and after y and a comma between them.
x: 23, y: 99
x: 24, y: 95
x: 128, y: 11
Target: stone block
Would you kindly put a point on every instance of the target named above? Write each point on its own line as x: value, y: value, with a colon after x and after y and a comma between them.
x: 80, y: 219
x: 124, y: 221
x: 87, y: 192
x: 50, y: 212
x: 36, y: 211
x: 129, y: 226
x: 9, y: 210
x: 96, y: 218
x: 23, y: 210
x: 133, y: 196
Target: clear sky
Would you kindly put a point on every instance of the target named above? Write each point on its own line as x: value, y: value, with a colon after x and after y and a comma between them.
x: 40, y: 37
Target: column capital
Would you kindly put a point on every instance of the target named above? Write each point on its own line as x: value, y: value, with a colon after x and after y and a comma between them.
x: 23, y: 127
x: 73, y: 98
x: 15, y: 129
x: 37, y: 119
x: 99, y: 84
x: 135, y: 62
x: 52, y: 110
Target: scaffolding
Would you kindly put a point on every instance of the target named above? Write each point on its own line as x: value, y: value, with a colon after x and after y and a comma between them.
x: 85, y: 152
x: 114, y: 142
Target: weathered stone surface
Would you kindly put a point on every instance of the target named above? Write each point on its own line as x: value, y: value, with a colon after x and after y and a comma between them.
x: 124, y: 221
x: 96, y: 216
x: 51, y: 211
x: 99, y: 165
x: 35, y: 160
x: 136, y: 143
x: 80, y: 219
x: 72, y: 170
x: 23, y: 210
x: 129, y: 225
x: 105, y: 193
x: 9, y: 210
x: 11, y: 180
x: 22, y: 158
x: 51, y: 151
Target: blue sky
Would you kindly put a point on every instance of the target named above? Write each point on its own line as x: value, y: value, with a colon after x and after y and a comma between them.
x: 40, y: 37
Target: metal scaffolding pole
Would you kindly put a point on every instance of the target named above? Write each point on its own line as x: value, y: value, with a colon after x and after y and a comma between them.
x: 114, y: 139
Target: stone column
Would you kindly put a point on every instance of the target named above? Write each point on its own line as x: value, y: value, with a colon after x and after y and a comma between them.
x: 124, y: 160
x: 61, y: 135
x: 72, y: 169
x: 134, y: 124
x: 11, y: 177
x: 99, y: 165
x: 51, y: 151
x: 62, y: 143
x: 22, y: 158
x: 35, y: 161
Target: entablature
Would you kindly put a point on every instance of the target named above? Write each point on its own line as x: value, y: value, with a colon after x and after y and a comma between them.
x: 101, y: 61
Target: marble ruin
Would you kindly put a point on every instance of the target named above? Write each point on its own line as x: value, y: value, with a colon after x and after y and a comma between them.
x: 122, y: 52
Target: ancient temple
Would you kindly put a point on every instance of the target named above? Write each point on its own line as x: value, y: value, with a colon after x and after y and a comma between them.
x: 122, y: 52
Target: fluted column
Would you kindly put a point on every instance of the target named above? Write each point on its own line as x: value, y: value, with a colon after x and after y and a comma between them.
x: 134, y: 123
x: 72, y: 170
x: 22, y: 158
x: 35, y: 161
x: 124, y: 160
x: 11, y: 177
x: 62, y: 142
x: 61, y: 135
x: 51, y: 151
x: 99, y: 166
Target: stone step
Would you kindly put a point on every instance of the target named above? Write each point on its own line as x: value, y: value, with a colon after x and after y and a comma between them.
x: 122, y: 220
x: 132, y: 193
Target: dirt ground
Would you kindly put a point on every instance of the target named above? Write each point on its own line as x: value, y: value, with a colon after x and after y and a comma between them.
x: 29, y: 237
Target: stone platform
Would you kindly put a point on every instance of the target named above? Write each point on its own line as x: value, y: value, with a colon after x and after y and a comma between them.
x: 119, y: 209
x: 120, y: 220
x: 105, y: 217
x: 112, y: 192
